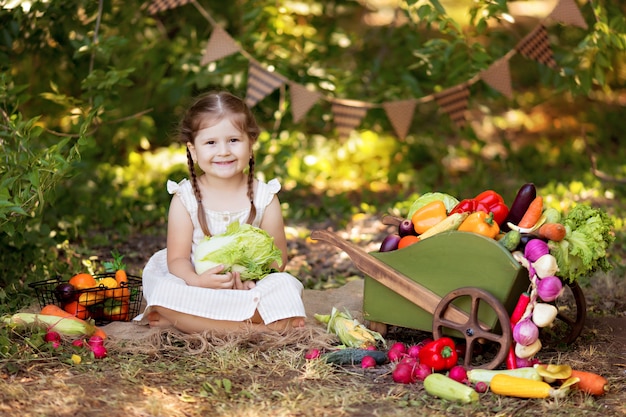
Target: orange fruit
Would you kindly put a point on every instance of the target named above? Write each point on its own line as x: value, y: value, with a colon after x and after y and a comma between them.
x: 77, y: 310
x: 407, y: 241
x: 83, y: 281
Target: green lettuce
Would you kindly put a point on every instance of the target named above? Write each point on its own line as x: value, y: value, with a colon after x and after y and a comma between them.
x: 241, y: 248
x: 583, y: 251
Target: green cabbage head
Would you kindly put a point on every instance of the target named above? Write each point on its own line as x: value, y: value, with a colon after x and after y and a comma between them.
x: 242, y: 248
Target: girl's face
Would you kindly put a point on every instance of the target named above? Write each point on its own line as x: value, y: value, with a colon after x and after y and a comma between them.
x: 221, y: 150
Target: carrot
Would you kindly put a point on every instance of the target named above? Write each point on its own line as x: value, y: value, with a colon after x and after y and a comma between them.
x: 100, y: 332
x: 121, y: 276
x: 533, y: 213
x: 591, y: 383
x: 552, y: 231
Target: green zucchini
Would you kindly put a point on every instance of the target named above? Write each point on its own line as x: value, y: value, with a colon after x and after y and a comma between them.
x: 353, y: 356
x: 447, y: 388
x: 485, y: 375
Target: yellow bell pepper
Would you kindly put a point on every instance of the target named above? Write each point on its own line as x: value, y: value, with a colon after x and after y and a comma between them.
x: 428, y: 216
x: 481, y: 223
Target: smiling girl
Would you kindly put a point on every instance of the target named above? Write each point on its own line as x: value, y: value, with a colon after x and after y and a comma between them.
x: 219, y: 132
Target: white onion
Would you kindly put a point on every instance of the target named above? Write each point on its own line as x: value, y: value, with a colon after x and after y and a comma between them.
x: 545, y: 266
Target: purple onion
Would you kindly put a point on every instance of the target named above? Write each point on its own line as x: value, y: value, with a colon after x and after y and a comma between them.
x: 525, y: 332
x: 535, y: 249
x: 549, y: 288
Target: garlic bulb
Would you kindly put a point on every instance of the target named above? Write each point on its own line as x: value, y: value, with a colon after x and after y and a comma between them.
x: 544, y: 314
x: 545, y: 266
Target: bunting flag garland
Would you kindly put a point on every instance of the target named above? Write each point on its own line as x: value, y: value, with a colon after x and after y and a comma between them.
x: 567, y: 11
x: 260, y: 84
x: 498, y: 76
x: 302, y: 99
x: 160, y: 5
x: 220, y: 46
x: 347, y: 115
x: 454, y: 102
x: 536, y: 45
x: 400, y: 114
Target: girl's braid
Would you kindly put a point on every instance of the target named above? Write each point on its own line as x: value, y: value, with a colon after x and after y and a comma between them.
x: 196, y: 191
x: 252, y: 215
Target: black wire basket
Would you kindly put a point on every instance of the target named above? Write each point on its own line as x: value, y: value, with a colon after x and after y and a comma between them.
x: 102, y: 304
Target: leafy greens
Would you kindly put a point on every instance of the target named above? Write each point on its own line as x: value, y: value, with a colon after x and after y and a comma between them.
x: 584, y: 248
x: 241, y: 248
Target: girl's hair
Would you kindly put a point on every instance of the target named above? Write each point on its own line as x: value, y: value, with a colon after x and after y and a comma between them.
x: 207, y: 110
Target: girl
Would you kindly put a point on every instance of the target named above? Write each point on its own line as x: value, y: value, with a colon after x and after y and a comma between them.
x: 219, y: 131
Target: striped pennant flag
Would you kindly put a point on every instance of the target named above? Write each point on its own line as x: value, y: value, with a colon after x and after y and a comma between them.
x: 567, y: 11
x: 347, y: 115
x: 454, y: 102
x: 160, y: 5
x: 536, y: 45
x: 498, y: 76
x: 302, y: 99
x: 400, y: 114
x: 260, y: 84
x: 220, y: 45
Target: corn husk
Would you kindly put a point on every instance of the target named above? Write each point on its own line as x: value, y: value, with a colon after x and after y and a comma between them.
x: 350, y: 331
x: 64, y: 326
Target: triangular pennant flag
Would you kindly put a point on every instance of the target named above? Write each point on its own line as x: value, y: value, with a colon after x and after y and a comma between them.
x: 400, y: 114
x: 567, y: 11
x: 454, y: 101
x: 347, y: 115
x: 160, y: 5
x: 220, y: 45
x: 302, y: 99
x: 260, y: 84
x: 498, y: 76
x: 536, y: 45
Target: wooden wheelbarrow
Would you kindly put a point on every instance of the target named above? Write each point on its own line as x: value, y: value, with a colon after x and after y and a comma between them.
x: 456, y: 283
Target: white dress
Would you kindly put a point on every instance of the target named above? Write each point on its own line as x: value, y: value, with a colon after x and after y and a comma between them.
x: 277, y: 296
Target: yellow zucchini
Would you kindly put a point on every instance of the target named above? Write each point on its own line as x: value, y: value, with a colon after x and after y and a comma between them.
x: 447, y: 388
x: 512, y: 386
x: 485, y: 375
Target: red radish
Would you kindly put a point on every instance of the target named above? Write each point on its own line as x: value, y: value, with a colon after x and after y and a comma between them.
x: 425, y: 341
x: 481, y: 387
x: 414, y: 351
x: 52, y: 336
x: 55, y: 343
x: 368, y: 362
x: 78, y: 343
x: 458, y: 373
x: 395, y: 355
x: 399, y: 346
x: 421, y: 371
x: 312, y: 354
x: 409, y: 360
x: 370, y: 347
x: 95, y: 341
x: 403, y: 373
x: 99, y: 351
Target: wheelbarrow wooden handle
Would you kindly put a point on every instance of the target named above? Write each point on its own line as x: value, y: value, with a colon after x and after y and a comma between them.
x: 390, y: 278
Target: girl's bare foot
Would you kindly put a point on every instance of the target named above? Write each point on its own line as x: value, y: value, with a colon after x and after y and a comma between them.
x: 284, y: 324
x: 157, y: 320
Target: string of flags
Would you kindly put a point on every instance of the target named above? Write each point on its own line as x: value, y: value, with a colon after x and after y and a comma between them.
x: 348, y: 113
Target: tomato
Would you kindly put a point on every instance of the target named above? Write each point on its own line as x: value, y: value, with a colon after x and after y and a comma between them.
x: 83, y: 281
x: 116, y: 310
x: 77, y: 309
x: 407, y: 241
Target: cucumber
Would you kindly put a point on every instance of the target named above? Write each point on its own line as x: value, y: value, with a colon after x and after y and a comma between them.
x: 525, y: 195
x: 511, y: 240
x: 447, y: 388
x: 352, y: 356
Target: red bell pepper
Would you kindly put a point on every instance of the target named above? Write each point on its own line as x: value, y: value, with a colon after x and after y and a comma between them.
x: 440, y: 354
x: 495, y: 204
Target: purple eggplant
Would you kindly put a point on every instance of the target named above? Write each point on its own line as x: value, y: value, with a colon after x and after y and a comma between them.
x: 390, y: 243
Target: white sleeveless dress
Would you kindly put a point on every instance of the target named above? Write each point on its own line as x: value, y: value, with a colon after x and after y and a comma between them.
x: 277, y: 296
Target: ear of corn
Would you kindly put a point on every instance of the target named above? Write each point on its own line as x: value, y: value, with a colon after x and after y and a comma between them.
x: 67, y: 326
x: 452, y: 222
x: 349, y: 331
x: 512, y: 386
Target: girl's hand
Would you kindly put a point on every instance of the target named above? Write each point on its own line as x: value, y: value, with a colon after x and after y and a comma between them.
x: 212, y: 278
